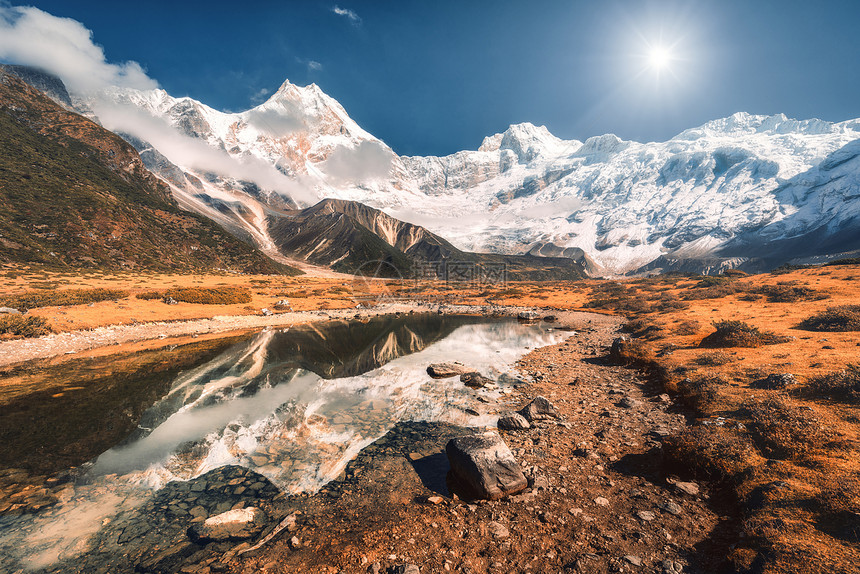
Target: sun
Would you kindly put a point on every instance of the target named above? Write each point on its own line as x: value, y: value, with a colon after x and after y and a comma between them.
x: 659, y: 58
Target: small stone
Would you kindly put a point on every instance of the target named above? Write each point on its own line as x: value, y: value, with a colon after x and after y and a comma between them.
x: 475, y: 380
x: 539, y: 409
x: 690, y: 488
x: 404, y: 569
x: 239, y: 524
x: 629, y: 403
x: 600, y: 501
x: 645, y: 515
x: 513, y: 421
x: 295, y: 543
x: 671, y: 507
x: 634, y: 560
x: 540, y: 483
x: 575, y: 511
x: 435, y: 500
x: 446, y: 370
x: 497, y: 530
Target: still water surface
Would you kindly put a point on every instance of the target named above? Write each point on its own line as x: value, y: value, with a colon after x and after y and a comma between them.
x: 295, y: 405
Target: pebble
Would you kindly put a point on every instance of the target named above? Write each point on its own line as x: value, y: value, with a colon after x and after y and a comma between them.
x: 634, y: 560
x: 671, y: 507
x: 690, y: 488
x: 645, y: 515
x: 497, y: 530
x: 600, y: 501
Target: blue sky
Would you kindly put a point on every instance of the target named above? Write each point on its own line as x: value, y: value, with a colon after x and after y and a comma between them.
x: 436, y: 77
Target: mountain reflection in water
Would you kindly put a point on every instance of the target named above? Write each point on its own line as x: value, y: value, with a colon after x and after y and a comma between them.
x: 295, y: 405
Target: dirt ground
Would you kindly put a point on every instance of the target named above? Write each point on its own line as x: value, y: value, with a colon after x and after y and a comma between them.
x: 777, y: 485
x: 599, y: 499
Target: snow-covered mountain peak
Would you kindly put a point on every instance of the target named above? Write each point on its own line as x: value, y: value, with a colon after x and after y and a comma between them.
x: 625, y: 204
x: 530, y: 142
x: 600, y: 148
x: 744, y: 124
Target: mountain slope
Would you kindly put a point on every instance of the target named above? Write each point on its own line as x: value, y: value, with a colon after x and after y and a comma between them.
x: 354, y: 238
x: 73, y: 194
x: 701, y: 198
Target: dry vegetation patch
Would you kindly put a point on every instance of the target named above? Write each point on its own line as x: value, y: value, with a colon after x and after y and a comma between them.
x: 35, y: 299
x: 841, y: 385
x: 719, y: 453
x: 201, y: 295
x: 739, y: 334
x: 22, y: 326
x: 784, y: 430
x: 839, y: 318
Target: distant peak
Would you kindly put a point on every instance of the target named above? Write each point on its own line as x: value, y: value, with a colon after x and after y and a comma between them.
x: 743, y: 123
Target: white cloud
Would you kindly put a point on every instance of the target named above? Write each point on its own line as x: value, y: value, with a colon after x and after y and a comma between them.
x: 65, y: 48
x: 194, y: 153
x: 260, y: 96
x: 314, y: 65
x: 369, y: 160
x: 349, y: 14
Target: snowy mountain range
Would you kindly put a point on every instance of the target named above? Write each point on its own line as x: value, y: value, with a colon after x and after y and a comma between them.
x: 745, y: 191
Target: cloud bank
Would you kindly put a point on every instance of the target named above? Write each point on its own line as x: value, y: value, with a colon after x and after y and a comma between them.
x: 369, y: 160
x: 193, y: 153
x: 65, y: 48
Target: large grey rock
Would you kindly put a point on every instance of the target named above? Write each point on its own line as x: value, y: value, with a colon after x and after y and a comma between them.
x: 238, y: 524
x: 445, y: 370
x: 485, y: 466
x: 513, y: 421
x: 9, y: 311
x: 528, y: 316
x: 538, y: 410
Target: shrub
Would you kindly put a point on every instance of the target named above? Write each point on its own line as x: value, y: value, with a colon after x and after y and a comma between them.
x: 841, y: 385
x: 711, y: 451
x: 739, y: 334
x: 33, y: 300
x: 715, y: 287
x: 841, y: 318
x: 202, y: 296
x: 702, y: 393
x: 783, y: 430
x: 790, y: 294
x: 21, y: 326
x: 631, y: 352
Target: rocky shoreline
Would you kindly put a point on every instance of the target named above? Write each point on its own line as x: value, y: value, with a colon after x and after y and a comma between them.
x: 598, y: 497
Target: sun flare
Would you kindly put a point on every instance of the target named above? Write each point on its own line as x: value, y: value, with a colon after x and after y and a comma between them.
x: 659, y: 58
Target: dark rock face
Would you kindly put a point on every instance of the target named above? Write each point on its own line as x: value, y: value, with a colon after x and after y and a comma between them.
x: 446, y: 370
x: 538, y: 410
x: 485, y: 466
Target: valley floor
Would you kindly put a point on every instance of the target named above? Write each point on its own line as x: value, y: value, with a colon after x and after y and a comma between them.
x: 773, y: 458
